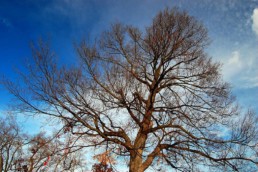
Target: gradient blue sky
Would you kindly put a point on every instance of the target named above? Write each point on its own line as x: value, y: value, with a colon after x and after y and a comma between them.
x: 232, y: 26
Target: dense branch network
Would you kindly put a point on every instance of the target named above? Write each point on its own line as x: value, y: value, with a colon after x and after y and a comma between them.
x: 147, y: 95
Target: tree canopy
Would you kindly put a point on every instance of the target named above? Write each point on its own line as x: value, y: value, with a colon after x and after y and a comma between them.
x: 152, y: 96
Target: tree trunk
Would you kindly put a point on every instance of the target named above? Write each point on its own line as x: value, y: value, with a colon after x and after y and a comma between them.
x: 135, y: 167
x: 1, y: 162
x: 135, y: 163
x: 31, y: 164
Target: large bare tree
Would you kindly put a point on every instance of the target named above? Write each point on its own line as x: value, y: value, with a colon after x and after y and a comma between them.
x: 150, y: 95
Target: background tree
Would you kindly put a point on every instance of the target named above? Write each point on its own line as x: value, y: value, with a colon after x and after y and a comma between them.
x: 39, y: 152
x: 24, y: 153
x: 56, y: 152
x: 11, y: 142
x: 100, y: 167
x: 146, y: 95
x: 105, y: 162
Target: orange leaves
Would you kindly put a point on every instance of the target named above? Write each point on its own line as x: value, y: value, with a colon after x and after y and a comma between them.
x: 105, y: 158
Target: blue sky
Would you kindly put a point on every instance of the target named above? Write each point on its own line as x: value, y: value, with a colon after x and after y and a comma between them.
x: 232, y: 27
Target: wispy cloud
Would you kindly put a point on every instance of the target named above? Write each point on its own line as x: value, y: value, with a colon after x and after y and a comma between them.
x: 241, y: 70
x: 5, y: 22
x: 255, y: 21
x: 240, y: 66
x: 233, y: 66
x: 96, y: 16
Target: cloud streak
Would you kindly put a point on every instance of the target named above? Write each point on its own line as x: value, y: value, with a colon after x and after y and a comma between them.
x: 255, y: 21
x: 233, y: 65
x: 240, y: 70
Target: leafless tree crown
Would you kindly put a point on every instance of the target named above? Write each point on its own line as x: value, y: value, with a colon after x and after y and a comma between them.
x: 153, y: 96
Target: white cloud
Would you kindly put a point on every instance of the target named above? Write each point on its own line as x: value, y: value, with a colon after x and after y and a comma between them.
x: 235, y: 60
x: 241, y: 70
x: 232, y: 66
x: 255, y: 21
